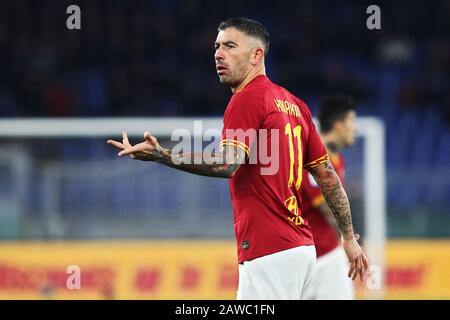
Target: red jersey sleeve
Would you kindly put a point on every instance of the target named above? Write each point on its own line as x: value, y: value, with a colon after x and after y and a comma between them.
x: 242, y: 119
x: 315, y: 153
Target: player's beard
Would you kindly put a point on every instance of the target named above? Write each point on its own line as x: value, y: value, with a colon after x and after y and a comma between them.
x: 235, y: 78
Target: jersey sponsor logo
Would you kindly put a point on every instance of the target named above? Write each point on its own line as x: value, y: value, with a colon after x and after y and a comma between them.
x: 245, y: 244
x: 292, y: 205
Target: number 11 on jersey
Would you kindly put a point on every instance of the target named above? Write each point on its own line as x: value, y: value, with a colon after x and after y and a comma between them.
x: 297, y: 135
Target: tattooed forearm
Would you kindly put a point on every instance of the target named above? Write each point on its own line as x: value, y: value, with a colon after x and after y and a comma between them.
x: 335, y: 196
x: 325, y: 210
x: 222, y: 165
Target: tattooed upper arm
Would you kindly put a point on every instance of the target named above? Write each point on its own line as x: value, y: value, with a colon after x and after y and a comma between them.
x: 234, y: 155
x: 322, y: 171
x: 232, y: 158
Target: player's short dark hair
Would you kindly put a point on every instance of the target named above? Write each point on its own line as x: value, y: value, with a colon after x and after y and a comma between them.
x: 250, y: 27
x: 332, y: 109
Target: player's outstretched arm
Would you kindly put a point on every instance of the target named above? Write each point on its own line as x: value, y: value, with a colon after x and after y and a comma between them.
x: 337, y: 200
x: 222, y: 164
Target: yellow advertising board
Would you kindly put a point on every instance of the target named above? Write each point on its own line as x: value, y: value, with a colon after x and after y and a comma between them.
x: 418, y: 269
x: 119, y: 270
x: 184, y: 270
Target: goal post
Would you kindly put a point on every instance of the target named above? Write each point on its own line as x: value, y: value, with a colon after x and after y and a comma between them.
x: 374, y: 172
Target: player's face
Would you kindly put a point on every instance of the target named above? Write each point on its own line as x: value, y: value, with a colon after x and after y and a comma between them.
x: 347, y: 131
x: 232, y: 56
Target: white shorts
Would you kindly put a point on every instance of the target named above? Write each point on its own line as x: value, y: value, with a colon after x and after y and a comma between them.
x: 330, y: 280
x: 284, y: 275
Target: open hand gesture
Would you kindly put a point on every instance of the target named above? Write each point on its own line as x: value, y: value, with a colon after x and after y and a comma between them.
x: 149, y: 150
x: 359, y: 263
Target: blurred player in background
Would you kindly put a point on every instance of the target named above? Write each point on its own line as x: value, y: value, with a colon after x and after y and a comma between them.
x: 276, y: 254
x: 337, y: 117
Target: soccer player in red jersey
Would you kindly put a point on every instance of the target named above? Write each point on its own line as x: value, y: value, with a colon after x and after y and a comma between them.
x: 338, y: 129
x: 275, y: 247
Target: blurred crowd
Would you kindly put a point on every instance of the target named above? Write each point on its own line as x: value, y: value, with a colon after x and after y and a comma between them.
x: 155, y: 57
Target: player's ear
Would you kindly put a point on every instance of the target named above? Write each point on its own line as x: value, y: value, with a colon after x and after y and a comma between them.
x: 257, y: 56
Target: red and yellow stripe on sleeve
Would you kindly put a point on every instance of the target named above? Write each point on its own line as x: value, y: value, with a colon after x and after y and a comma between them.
x: 235, y: 143
x: 316, y: 162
